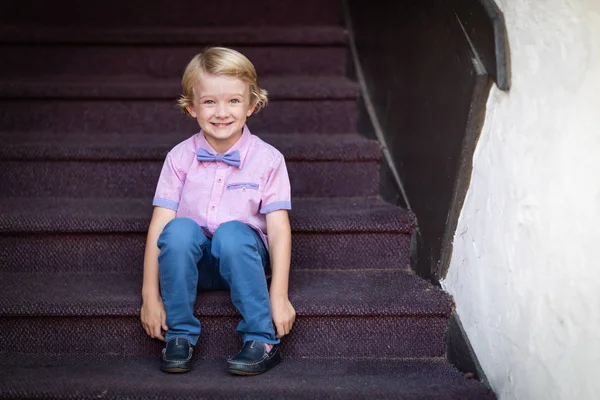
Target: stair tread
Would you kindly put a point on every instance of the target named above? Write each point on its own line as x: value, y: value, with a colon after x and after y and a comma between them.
x: 140, y: 377
x: 296, y: 87
x: 132, y: 146
x: 313, y: 293
x: 120, y: 215
x: 225, y: 35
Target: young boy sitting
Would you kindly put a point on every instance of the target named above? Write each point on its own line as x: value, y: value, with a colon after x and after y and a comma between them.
x: 220, y: 221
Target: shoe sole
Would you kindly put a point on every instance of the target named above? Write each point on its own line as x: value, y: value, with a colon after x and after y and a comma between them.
x: 175, y: 370
x: 244, y: 373
x: 248, y: 373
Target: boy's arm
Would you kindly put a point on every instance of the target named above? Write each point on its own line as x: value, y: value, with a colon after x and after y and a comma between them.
x: 280, y: 249
x: 153, y: 314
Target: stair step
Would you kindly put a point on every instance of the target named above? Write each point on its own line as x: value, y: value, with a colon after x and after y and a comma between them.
x: 161, y: 61
x: 122, y: 252
x: 44, y: 235
x: 314, y: 293
x: 367, y: 326
x: 46, y: 164
x: 295, y: 87
x: 116, y: 13
x: 164, y: 51
x: 92, y: 215
x: 355, y: 307
x: 94, y: 105
x: 176, y: 35
x: 37, y: 377
x: 155, y: 116
x: 35, y: 146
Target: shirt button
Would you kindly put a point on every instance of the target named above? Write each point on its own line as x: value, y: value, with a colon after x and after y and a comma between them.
x: 243, y: 189
x: 219, y: 180
x: 212, y: 208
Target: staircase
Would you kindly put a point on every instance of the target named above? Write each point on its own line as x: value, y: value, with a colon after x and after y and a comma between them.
x: 87, y: 115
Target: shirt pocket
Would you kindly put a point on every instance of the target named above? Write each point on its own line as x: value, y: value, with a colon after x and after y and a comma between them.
x: 243, y: 186
x: 243, y: 200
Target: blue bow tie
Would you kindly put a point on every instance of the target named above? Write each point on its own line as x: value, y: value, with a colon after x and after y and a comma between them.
x: 232, y: 158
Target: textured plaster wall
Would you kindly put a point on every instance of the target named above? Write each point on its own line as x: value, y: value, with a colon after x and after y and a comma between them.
x: 525, y: 271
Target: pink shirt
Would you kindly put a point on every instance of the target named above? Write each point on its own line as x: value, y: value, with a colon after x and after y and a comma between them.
x: 214, y: 192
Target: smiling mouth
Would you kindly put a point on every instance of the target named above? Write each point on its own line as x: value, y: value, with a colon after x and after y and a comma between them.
x: 221, y: 125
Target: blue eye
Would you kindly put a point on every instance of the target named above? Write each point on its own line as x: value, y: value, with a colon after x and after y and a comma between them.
x: 208, y: 102
x: 234, y: 101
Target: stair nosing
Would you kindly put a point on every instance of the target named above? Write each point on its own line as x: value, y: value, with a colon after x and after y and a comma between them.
x: 303, y: 88
x: 298, y: 378
x: 432, y: 302
x: 250, y: 36
x: 142, y: 147
x: 127, y: 215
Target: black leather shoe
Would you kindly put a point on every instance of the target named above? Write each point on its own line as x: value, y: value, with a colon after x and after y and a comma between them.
x: 177, y: 355
x: 254, y: 359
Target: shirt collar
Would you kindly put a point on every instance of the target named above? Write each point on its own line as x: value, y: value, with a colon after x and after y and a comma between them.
x: 242, y: 145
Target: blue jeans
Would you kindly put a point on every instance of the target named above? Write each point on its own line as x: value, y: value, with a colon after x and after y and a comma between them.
x: 235, y: 259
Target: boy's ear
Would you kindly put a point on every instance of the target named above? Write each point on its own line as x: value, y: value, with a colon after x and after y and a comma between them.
x: 251, y: 109
x: 191, y: 111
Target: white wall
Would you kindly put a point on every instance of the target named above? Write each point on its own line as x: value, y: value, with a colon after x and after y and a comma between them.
x: 525, y: 271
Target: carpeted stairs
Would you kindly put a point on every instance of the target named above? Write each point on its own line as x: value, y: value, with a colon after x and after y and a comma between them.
x: 87, y: 114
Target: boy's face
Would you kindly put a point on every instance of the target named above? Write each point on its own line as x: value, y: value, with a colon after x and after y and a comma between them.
x: 221, y: 107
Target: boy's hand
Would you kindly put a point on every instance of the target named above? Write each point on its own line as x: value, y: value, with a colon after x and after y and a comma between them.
x: 154, y: 318
x: 284, y: 315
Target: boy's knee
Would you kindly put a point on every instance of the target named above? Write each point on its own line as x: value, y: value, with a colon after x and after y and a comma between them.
x: 231, y: 236
x: 180, y: 233
x: 233, y: 231
x: 231, y: 228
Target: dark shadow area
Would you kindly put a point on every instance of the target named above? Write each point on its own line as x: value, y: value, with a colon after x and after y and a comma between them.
x: 160, y: 13
x: 459, y: 351
x: 428, y: 90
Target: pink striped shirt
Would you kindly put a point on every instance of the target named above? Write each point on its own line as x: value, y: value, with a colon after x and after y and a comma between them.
x: 213, y: 192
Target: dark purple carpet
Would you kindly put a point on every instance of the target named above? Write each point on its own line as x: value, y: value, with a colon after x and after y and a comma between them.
x: 315, y: 36
x: 87, y: 114
x: 116, y: 13
x: 128, y: 165
x: 329, y: 336
x: 67, y: 215
x: 45, y: 146
x: 134, y: 88
x: 162, y: 60
x: 123, y: 252
x: 314, y: 293
x: 138, y: 178
x: 139, y: 378
x: 98, y: 116
x: 342, y: 313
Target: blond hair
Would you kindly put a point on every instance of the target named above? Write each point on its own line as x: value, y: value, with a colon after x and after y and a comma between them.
x: 225, y: 62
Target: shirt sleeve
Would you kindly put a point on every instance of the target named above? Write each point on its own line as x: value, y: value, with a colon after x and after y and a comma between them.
x: 277, y: 191
x: 170, y: 183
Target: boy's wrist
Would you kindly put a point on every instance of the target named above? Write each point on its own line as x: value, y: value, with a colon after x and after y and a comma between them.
x: 278, y: 295
x: 150, y: 295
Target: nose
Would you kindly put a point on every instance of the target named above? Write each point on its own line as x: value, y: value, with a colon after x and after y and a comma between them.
x: 222, y: 110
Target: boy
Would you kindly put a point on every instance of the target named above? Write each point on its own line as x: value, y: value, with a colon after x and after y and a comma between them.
x: 219, y: 193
